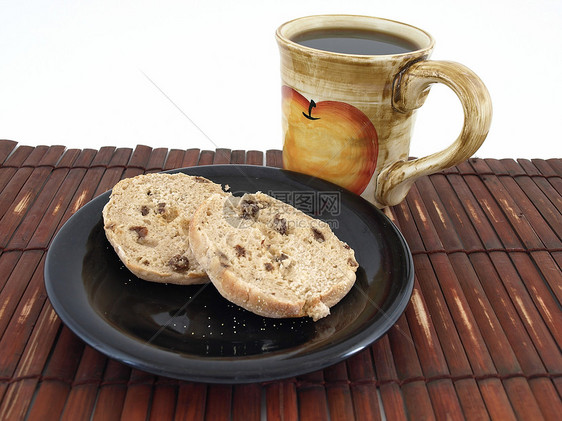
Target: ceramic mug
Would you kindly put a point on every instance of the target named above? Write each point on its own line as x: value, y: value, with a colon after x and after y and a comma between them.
x: 348, y: 117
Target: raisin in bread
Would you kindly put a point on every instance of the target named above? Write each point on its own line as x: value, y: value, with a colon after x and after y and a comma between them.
x: 270, y: 258
x: 147, y: 221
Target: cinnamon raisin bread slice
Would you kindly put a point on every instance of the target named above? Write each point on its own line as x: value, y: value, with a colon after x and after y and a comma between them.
x: 270, y: 258
x: 147, y: 221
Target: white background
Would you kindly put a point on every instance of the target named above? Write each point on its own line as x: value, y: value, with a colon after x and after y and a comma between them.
x: 205, y: 74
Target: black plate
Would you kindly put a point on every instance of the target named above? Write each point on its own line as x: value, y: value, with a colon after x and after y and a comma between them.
x: 191, y: 332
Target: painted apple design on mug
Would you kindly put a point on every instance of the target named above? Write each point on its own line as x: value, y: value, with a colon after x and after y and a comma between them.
x: 329, y: 139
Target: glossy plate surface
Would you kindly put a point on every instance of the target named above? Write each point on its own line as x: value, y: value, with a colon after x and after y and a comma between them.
x: 191, y: 332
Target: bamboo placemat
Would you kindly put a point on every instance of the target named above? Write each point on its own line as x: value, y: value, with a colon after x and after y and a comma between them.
x: 480, y: 338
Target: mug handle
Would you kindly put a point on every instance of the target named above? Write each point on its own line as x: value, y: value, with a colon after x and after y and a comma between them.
x: 410, y: 88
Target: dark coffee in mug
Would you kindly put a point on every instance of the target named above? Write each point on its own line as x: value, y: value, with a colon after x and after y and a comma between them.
x: 351, y: 41
x: 349, y: 103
